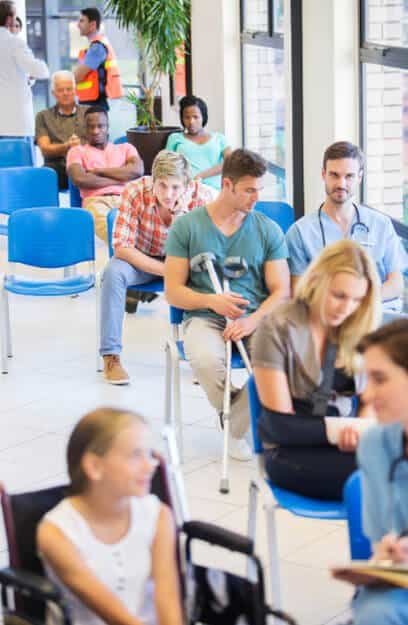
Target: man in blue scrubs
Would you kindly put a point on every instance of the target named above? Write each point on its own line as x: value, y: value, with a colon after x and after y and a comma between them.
x: 339, y: 216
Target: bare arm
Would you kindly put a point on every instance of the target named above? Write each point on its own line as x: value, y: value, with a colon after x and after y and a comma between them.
x: 87, y: 180
x: 133, y: 169
x: 213, y: 171
x: 138, y: 259
x: 176, y: 272
x: 293, y: 282
x: 81, y: 71
x: 273, y: 389
x: 56, y: 149
x: 393, y: 286
x: 276, y: 274
x: 69, y: 566
x: 164, y: 571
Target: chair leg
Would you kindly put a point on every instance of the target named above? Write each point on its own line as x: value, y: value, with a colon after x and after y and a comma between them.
x: 99, y: 366
x: 270, y: 512
x: 167, y: 387
x: 172, y: 396
x: 178, y: 416
x: 4, y: 323
x: 8, y: 326
x: 253, y: 492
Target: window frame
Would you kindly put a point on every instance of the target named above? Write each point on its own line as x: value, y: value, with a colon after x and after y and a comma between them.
x: 372, y: 52
x: 273, y: 39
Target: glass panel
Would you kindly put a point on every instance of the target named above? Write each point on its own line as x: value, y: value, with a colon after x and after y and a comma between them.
x: 256, y: 15
x: 387, y: 22
x: 278, y: 16
x: 386, y: 131
x: 264, y: 105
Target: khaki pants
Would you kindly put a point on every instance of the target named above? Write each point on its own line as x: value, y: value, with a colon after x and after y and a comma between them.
x: 205, y: 350
x: 99, y: 206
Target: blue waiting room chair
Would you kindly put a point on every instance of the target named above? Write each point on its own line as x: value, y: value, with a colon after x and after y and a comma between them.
x: 276, y: 498
x: 156, y: 285
x: 360, y: 546
x: 26, y: 187
x: 281, y: 212
x: 75, y: 199
x: 47, y: 238
x: 16, y: 152
x: 122, y: 139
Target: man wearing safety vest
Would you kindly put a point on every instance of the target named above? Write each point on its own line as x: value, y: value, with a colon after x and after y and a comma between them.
x: 97, y: 75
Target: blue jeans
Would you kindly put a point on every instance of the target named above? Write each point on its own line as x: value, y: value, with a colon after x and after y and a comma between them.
x: 117, y: 276
x: 388, y: 606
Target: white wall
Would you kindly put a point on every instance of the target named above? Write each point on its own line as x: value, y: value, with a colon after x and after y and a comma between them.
x: 330, y: 84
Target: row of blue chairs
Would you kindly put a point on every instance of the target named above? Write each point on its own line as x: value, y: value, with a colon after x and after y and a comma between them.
x: 53, y: 238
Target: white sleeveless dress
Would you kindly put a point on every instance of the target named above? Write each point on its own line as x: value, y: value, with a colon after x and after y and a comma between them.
x: 124, y: 567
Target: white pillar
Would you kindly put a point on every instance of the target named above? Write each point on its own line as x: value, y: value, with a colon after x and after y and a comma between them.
x: 330, y: 85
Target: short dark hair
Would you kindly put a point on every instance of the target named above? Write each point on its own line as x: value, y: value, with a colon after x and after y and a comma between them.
x: 93, y: 15
x: 343, y: 149
x: 392, y: 338
x: 192, y: 100
x: 19, y: 22
x: 7, y: 9
x: 95, y: 108
x: 242, y: 163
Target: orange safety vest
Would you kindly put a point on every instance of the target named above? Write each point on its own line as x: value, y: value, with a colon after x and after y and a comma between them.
x: 88, y: 90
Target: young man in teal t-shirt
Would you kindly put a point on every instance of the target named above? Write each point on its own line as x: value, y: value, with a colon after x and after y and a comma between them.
x: 227, y: 227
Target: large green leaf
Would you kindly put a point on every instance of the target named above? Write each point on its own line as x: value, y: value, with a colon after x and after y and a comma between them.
x: 162, y: 24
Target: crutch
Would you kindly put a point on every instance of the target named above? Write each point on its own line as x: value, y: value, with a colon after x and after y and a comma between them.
x: 204, y: 262
x: 234, y: 267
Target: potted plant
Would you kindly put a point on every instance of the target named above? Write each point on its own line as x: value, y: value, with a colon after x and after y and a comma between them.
x: 161, y: 28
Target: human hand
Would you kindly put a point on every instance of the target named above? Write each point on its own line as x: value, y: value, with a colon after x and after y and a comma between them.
x: 385, y: 549
x: 348, y: 439
x: 230, y: 305
x: 240, y: 328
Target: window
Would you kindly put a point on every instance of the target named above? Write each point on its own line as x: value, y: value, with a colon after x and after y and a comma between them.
x: 266, y: 102
x: 57, y: 20
x: 384, y: 120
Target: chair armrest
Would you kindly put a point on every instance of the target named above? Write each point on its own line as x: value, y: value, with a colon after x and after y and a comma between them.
x: 219, y: 536
x: 30, y: 584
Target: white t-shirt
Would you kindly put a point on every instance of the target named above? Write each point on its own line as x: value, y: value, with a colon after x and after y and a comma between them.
x: 124, y: 567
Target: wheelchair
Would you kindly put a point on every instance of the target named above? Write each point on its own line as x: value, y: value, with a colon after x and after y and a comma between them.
x: 211, y: 597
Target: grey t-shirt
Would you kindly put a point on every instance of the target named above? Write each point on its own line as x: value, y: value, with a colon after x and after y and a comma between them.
x: 51, y: 123
x: 283, y: 341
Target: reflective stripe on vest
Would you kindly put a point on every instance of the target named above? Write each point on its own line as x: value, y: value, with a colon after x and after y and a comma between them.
x: 88, y: 89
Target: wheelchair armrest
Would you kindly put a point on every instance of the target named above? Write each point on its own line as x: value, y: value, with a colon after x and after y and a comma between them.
x: 31, y: 584
x: 219, y: 536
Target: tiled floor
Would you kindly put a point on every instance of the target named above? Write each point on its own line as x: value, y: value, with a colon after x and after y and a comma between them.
x: 52, y: 382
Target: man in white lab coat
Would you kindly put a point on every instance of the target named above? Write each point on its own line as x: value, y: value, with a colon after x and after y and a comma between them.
x: 16, y: 66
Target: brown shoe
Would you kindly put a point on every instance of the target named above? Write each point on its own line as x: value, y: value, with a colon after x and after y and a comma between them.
x: 113, y: 372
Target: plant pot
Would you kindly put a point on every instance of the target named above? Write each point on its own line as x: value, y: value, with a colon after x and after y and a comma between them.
x: 149, y: 142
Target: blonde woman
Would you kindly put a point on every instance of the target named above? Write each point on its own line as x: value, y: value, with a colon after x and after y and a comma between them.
x: 110, y: 545
x: 147, y: 210
x: 307, y: 340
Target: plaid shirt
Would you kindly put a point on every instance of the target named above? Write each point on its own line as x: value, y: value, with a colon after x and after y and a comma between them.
x: 138, y: 223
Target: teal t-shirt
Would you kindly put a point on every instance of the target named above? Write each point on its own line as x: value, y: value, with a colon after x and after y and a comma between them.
x: 201, y: 156
x: 258, y: 240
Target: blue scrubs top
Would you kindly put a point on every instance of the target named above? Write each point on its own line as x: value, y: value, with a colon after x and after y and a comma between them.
x: 305, y: 242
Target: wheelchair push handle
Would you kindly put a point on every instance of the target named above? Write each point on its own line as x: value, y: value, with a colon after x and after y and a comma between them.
x: 219, y: 536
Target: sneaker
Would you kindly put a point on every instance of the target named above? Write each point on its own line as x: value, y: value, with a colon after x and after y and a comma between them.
x: 113, y: 372
x: 238, y: 449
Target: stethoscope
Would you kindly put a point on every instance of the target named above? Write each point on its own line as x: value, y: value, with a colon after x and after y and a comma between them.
x: 358, y: 229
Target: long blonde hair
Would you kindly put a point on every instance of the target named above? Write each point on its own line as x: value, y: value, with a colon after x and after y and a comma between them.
x: 96, y: 433
x: 344, y: 256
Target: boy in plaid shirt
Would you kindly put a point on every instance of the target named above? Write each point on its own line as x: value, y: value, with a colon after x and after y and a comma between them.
x: 148, y: 208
